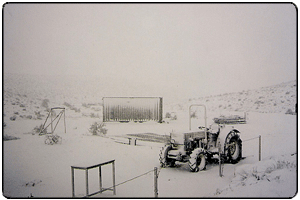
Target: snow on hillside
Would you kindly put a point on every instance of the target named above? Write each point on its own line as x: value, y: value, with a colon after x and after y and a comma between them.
x: 33, y: 169
x: 272, y: 99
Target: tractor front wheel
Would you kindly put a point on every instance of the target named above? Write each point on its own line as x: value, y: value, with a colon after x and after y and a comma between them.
x: 197, y: 161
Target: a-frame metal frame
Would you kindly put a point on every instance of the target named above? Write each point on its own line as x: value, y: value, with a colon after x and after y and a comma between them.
x: 60, y: 114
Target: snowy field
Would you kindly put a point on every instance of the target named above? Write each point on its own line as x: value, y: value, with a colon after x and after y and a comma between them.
x: 33, y: 169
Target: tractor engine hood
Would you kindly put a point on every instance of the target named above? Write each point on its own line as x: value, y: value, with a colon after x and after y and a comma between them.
x: 180, y: 137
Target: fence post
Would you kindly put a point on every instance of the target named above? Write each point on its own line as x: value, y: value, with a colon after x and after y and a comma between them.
x: 155, y: 183
x: 114, y: 176
x: 87, y: 182
x: 100, y: 179
x: 259, y: 156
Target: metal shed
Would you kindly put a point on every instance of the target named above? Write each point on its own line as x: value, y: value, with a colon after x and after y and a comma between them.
x: 132, y: 109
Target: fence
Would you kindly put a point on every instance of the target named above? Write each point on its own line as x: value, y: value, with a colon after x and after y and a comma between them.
x: 155, y: 170
x: 259, y: 153
x: 132, y: 109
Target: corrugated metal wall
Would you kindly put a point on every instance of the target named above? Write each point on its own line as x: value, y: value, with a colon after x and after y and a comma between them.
x: 132, y: 109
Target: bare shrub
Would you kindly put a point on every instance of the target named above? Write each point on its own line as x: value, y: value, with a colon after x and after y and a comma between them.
x: 97, y: 128
x: 72, y: 107
x: 193, y: 115
x: 290, y: 112
x: 168, y: 115
x: 94, y: 116
x: 13, y: 118
x: 174, y: 117
x: 8, y: 137
x: 45, y: 103
x: 171, y: 115
x: 38, y: 114
x: 86, y: 105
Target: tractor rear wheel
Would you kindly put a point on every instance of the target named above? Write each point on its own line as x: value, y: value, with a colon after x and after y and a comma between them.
x: 234, y: 149
x: 197, y: 161
x: 163, y: 157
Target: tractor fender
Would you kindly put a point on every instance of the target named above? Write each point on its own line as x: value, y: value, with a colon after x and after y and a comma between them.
x: 224, y: 132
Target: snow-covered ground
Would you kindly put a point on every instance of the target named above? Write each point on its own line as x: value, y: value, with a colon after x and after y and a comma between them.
x: 32, y: 168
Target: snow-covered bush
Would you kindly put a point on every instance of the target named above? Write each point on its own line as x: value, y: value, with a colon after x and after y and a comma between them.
x: 98, y: 129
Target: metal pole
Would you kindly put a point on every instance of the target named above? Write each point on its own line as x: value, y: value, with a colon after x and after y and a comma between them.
x: 114, y: 177
x: 65, y: 120
x: 51, y: 120
x: 259, y: 156
x: 155, y: 183
x: 73, y: 186
x: 87, y: 182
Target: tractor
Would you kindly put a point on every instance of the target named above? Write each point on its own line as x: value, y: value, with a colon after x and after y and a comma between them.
x: 203, y: 145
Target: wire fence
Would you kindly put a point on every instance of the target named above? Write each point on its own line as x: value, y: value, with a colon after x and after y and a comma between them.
x: 131, y: 179
x: 156, y: 171
x: 251, y: 139
x: 221, y: 161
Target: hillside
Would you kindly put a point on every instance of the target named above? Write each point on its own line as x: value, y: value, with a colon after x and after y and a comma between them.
x: 272, y: 99
x: 30, y: 96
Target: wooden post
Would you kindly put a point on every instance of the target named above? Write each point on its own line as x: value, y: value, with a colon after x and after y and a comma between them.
x: 114, y: 177
x: 259, y: 150
x: 160, y: 110
x: 100, y: 179
x: 73, y: 186
x: 155, y: 183
x: 87, y: 182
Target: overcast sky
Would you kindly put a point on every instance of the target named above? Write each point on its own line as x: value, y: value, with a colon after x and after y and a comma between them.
x: 192, y: 49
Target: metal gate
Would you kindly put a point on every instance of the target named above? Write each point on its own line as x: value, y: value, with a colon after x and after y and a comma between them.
x: 132, y: 109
